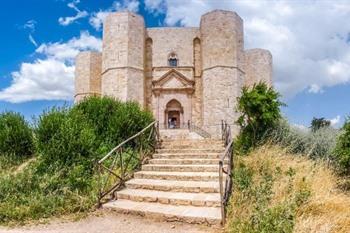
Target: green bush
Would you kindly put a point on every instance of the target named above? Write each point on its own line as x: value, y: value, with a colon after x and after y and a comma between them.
x: 342, y: 150
x: 318, y: 144
x: 260, y: 112
x: 69, y: 142
x: 16, y: 136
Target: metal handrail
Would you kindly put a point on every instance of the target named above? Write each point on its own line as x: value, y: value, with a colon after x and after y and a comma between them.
x: 228, y: 153
x: 115, y: 158
x: 194, y: 128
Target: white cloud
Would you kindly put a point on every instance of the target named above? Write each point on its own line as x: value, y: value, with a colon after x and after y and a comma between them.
x: 97, y: 18
x: 30, y: 24
x: 67, y: 51
x: 31, y: 39
x: 301, y: 127
x: 50, y: 78
x: 335, y: 121
x: 309, y: 40
x: 64, y: 21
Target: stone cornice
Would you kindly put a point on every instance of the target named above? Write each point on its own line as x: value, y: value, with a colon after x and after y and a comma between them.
x: 220, y: 66
x: 122, y: 67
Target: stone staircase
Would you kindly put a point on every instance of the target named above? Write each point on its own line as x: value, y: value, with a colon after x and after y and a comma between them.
x: 180, y: 183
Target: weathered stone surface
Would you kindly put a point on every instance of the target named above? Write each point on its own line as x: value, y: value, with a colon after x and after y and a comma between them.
x: 258, y: 67
x: 180, y: 185
x: 211, y: 68
x: 87, y: 75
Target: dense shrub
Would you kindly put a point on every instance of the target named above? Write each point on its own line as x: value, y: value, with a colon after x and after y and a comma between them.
x: 318, y: 123
x: 315, y: 144
x: 260, y: 112
x: 69, y: 142
x: 112, y: 120
x: 16, y: 136
x: 342, y: 150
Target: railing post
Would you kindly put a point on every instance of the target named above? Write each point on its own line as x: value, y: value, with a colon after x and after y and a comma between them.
x: 221, y: 194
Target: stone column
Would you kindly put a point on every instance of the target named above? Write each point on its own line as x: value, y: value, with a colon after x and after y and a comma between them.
x: 123, y: 57
x: 222, y: 75
x: 87, y: 75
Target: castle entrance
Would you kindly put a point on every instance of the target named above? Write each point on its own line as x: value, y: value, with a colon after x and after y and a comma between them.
x: 173, y: 115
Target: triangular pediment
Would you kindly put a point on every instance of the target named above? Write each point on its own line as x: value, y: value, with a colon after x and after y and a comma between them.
x: 173, y: 79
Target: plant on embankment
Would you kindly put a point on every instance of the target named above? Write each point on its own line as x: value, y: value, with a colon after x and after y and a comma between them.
x: 275, y: 191
x: 259, y: 107
x: 69, y: 141
x: 16, y: 139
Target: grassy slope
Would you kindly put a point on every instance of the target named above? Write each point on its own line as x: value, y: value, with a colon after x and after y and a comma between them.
x: 278, y: 192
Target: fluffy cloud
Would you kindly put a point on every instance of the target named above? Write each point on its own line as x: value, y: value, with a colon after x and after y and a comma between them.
x: 64, y: 21
x: 335, y: 121
x: 97, y: 18
x: 66, y: 52
x: 309, y: 41
x: 49, y: 78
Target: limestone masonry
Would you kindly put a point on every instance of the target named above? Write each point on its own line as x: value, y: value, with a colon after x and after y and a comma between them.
x: 180, y: 74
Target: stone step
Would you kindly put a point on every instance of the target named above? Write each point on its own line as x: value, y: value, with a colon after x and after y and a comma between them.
x: 189, y: 176
x: 172, y: 198
x: 181, y: 168
x: 189, y: 214
x: 174, y: 185
x: 186, y: 161
x: 187, y: 155
x: 190, y: 150
x: 190, y: 146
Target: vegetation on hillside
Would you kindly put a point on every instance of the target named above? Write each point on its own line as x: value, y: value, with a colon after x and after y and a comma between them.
x: 16, y: 140
x: 260, y: 112
x: 68, y: 141
x: 276, y: 188
x: 275, y: 191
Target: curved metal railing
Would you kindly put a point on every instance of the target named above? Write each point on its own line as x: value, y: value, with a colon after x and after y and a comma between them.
x: 119, y: 165
x: 194, y: 128
x: 225, y: 190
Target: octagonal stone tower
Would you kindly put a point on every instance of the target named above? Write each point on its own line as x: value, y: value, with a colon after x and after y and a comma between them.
x: 223, y: 61
x: 180, y: 74
x: 123, y: 57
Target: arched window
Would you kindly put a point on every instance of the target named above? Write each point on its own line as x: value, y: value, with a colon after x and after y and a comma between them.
x: 172, y: 60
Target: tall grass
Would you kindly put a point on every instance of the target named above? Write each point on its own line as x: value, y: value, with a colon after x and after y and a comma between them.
x: 319, y: 144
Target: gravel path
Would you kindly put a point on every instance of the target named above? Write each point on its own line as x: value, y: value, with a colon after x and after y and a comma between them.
x: 109, y: 222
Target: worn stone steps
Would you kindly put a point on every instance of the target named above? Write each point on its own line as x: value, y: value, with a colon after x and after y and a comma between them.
x: 181, y: 168
x: 175, y: 185
x: 173, y: 198
x: 179, y: 183
x: 189, y: 214
x: 187, y: 155
x: 189, y: 150
x: 186, y: 161
x: 189, y: 176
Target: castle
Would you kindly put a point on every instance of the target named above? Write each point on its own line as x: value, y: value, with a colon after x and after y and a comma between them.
x: 181, y: 74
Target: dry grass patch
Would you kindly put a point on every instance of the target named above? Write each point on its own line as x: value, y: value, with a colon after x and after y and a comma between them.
x: 279, y: 192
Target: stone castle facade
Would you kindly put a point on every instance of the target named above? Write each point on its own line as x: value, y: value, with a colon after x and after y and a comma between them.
x: 180, y: 74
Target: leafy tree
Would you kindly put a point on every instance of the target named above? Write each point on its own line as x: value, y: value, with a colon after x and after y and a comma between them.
x: 318, y: 123
x: 260, y: 112
x: 342, y: 150
x: 16, y: 136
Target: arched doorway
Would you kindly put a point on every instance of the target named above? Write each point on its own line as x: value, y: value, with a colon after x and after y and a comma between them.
x: 173, y: 114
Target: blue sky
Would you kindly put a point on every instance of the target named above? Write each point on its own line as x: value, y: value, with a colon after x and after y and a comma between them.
x: 309, y: 40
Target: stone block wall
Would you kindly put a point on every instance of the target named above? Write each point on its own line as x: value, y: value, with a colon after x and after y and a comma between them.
x: 258, y: 67
x: 222, y: 75
x: 87, y: 75
x: 123, y: 57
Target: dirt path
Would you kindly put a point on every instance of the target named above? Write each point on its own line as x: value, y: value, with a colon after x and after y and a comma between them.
x: 111, y: 223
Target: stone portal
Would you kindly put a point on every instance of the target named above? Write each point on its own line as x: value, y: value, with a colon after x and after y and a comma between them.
x: 174, y: 114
